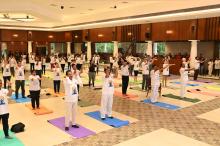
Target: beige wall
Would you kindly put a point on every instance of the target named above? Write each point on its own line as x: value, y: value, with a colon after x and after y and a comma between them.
x: 206, y: 48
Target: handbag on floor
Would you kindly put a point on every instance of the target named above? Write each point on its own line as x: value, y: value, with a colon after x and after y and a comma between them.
x: 19, y: 127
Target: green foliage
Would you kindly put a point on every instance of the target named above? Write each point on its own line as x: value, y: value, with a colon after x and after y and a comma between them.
x: 104, y: 47
x: 161, y: 48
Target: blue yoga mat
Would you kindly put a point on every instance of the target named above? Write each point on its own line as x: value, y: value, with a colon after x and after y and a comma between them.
x: 20, y: 99
x: 163, y: 105
x: 111, y: 122
x: 187, y: 84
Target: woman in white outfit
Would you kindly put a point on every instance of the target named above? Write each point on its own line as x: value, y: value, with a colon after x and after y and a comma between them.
x: 166, y: 73
x: 210, y: 67
x: 107, y: 95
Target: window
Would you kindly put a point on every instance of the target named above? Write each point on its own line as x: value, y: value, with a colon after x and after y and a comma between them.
x: 159, y: 48
x: 60, y: 48
x: 104, y: 47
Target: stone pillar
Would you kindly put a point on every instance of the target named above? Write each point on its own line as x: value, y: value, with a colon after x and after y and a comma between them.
x: 149, y: 50
x: 29, y: 47
x: 89, y: 51
x: 68, y: 47
x: 115, y: 51
x: 193, y: 52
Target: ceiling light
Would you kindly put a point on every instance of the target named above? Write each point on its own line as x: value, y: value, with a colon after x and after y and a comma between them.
x: 72, y: 7
x: 90, y: 9
x: 129, y: 33
x: 76, y: 36
x: 15, y: 35
x: 50, y: 36
x: 169, y: 32
x: 124, y: 2
x: 53, y: 5
x: 100, y: 35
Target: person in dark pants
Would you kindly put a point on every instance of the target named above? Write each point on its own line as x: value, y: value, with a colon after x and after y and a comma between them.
x: 62, y: 64
x: 146, y: 75
x: 31, y: 61
x: 4, y: 113
x: 38, y: 68
x: 43, y: 60
x: 92, y: 73
x: 19, y: 80
x: 125, y: 77
x: 197, y: 66
x: 34, y: 88
x: 6, y: 72
x: 56, y: 78
x: 12, y: 63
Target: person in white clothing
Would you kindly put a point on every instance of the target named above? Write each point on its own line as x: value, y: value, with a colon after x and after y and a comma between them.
x: 71, y: 100
x: 76, y: 75
x: 6, y: 72
x: 43, y: 60
x: 146, y: 74
x: 210, y: 67
x: 166, y: 72
x: 4, y: 112
x: 115, y: 67
x: 107, y: 95
x: 12, y: 63
x: 197, y: 66
x: 62, y: 63
x: 38, y: 67
x: 125, y: 76
x: 34, y: 88
x: 31, y: 61
x: 136, y: 68
x: 183, y: 79
x: 97, y: 58
x: 56, y: 78
x: 155, y: 82
x: 19, y: 80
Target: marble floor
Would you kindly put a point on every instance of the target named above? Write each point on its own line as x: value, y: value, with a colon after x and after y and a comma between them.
x: 194, y: 124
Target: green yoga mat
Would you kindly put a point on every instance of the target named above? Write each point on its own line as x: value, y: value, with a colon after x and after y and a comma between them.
x: 194, y: 100
x: 82, y: 103
x: 9, y: 142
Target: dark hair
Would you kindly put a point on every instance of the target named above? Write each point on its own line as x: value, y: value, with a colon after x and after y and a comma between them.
x: 67, y: 72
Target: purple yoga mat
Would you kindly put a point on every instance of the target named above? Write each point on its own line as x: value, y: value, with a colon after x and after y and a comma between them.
x: 75, y: 132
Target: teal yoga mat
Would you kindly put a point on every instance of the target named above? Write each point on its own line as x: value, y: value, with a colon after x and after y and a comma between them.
x: 9, y: 142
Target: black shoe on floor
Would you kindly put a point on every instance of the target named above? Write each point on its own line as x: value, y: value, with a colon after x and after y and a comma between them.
x: 66, y: 128
x: 111, y: 117
x: 75, y: 126
x: 103, y: 118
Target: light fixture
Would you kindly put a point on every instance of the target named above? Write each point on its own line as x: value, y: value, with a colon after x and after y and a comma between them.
x: 100, y: 35
x: 90, y: 9
x: 53, y: 5
x: 15, y: 35
x: 50, y: 36
x: 71, y: 7
x: 76, y: 36
x: 129, y: 33
x: 124, y: 2
x: 169, y: 32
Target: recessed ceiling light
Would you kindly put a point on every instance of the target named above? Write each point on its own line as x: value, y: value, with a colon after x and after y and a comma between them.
x: 90, y: 9
x: 124, y: 2
x: 53, y: 5
x: 72, y: 7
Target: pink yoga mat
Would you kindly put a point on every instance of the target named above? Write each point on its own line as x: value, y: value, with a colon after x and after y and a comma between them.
x: 204, y: 93
x: 75, y: 132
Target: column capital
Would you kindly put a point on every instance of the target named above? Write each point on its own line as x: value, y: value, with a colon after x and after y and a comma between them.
x: 193, y: 40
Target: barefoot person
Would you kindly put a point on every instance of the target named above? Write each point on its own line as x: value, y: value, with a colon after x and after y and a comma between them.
x: 4, y: 112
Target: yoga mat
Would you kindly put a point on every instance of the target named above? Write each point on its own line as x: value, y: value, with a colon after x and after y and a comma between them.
x: 136, y: 88
x: 82, y: 103
x: 187, y: 84
x: 217, y: 88
x: 51, y: 91
x: 20, y: 99
x: 117, y: 123
x: 203, y: 81
x: 193, y: 100
x: 42, y: 111
x: 119, y: 94
x: 75, y: 132
x: 198, y: 91
x: 9, y: 142
x: 163, y: 105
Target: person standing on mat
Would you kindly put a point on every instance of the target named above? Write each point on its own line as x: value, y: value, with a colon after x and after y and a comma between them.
x: 6, y: 72
x: 92, y: 73
x: 19, y: 80
x: 136, y: 68
x: 71, y: 100
x: 210, y: 67
x: 31, y: 61
x: 43, y: 60
x: 38, y: 68
x: 4, y: 112
x: 125, y: 77
x: 146, y: 75
x: 56, y: 78
x: 107, y: 95
x: 12, y: 63
x: 183, y: 79
x: 166, y: 72
x: 197, y: 66
x: 76, y: 76
x: 62, y: 63
x: 34, y: 88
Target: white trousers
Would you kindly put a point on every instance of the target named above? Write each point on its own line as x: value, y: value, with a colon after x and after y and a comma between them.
x: 210, y: 70
x: 155, y: 93
x: 70, y: 116
x: 106, y: 105
x: 183, y: 89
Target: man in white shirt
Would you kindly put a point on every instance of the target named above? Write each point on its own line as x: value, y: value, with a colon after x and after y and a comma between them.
x: 146, y: 75
x: 19, y: 80
x: 12, y: 63
x: 71, y: 100
x: 31, y: 61
x: 4, y: 112
x: 197, y: 66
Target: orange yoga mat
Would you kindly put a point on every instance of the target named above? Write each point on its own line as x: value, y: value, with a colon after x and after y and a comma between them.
x: 204, y: 92
x: 119, y: 94
x: 42, y: 111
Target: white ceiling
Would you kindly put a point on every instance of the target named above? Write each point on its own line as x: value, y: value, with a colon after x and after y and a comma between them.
x: 50, y: 16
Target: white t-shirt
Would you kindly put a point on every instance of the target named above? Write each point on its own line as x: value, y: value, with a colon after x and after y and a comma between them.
x: 12, y: 62
x: 19, y: 73
x: 44, y: 61
x: 96, y: 60
x: 115, y: 63
x: 56, y: 74
x: 155, y: 78
x: 71, y: 92
x: 145, y: 68
x: 62, y: 61
x: 124, y: 70
x: 210, y: 64
x: 108, y: 86
x: 23, y: 62
x: 185, y: 64
x: 69, y: 59
x: 38, y: 66
x: 183, y: 75
x: 197, y: 64
x: 31, y: 59
x: 77, y: 77
x: 52, y: 60
x: 111, y: 59
x: 6, y: 71
x: 166, y: 70
x: 34, y: 84
x: 136, y: 65
x: 3, y: 102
